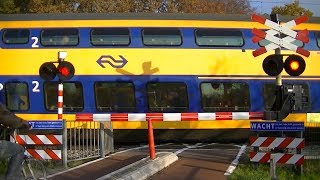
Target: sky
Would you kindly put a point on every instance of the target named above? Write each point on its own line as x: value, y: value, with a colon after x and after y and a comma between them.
x: 265, y: 6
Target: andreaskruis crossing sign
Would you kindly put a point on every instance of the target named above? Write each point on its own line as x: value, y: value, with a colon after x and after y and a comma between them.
x: 277, y: 42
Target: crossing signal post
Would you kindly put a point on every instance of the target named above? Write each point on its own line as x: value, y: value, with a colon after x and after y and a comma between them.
x: 65, y: 71
x: 287, y: 98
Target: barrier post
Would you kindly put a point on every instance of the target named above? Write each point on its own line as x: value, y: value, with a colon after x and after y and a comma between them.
x: 151, y: 140
x: 273, y: 167
x: 101, y: 141
x: 64, y: 144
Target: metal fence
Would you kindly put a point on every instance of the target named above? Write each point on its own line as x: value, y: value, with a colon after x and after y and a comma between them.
x: 312, y: 140
x: 85, y: 140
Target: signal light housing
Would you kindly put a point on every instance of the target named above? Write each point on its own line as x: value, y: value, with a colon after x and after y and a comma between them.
x: 294, y: 65
x: 48, y: 71
x: 65, y: 70
x: 273, y: 65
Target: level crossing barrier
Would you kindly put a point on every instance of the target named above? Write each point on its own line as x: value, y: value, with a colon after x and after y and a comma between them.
x: 41, y: 146
x: 279, y: 143
x: 41, y: 140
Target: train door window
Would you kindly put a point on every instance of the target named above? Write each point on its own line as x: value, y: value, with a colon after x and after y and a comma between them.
x: 265, y: 42
x: 15, y: 36
x: 17, y: 96
x: 269, y: 95
x: 161, y: 37
x: 224, y: 96
x: 167, y: 97
x: 219, y: 37
x: 115, y: 96
x: 72, y: 96
x: 318, y: 38
x: 60, y: 37
x: 110, y: 37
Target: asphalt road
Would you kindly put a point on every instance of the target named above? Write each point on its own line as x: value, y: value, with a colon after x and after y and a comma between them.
x: 196, y: 161
x: 200, y: 161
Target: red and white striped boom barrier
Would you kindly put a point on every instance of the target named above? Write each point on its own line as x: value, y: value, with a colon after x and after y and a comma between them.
x: 170, y: 116
x: 277, y: 42
x: 277, y: 142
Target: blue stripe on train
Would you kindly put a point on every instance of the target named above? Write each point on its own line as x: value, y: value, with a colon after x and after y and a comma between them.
x: 136, y: 41
x: 193, y: 84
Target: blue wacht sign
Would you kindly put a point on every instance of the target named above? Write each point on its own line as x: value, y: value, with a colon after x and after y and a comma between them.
x: 277, y: 126
x: 46, y: 124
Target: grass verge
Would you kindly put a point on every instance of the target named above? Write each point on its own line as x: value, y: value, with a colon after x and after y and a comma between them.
x: 246, y: 170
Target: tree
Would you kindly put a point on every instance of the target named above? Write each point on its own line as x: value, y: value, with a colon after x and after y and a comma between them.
x: 292, y: 9
x: 48, y: 6
x: 8, y: 7
x: 125, y: 6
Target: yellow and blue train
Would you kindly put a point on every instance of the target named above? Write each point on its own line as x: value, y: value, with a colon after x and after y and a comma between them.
x: 185, y: 71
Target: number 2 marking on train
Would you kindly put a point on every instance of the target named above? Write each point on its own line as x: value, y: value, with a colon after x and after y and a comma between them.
x: 36, y: 86
x: 35, y: 41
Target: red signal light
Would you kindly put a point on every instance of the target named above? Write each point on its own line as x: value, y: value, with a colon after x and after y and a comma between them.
x: 294, y: 65
x: 65, y: 70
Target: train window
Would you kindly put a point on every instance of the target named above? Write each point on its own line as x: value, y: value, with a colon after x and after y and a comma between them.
x: 60, y: 37
x: 224, y: 96
x: 161, y: 37
x: 110, y: 36
x: 318, y: 38
x: 17, y: 96
x: 15, y: 36
x: 219, y: 37
x: 72, y: 96
x: 265, y: 42
x: 167, y: 97
x: 269, y: 95
x: 115, y: 96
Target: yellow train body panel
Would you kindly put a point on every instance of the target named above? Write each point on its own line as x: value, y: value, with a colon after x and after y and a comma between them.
x: 143, y: 62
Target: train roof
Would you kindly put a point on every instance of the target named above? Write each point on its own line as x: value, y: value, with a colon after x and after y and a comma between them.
x: 137, y: 16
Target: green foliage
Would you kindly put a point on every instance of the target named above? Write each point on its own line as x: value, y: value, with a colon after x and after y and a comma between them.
x: 292, y: 9
x: 8, y: 7
x: 124, y: 6
x: 262, y: 171
x: 3, y: 167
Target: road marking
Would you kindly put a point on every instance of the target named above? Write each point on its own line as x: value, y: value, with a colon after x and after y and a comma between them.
x: 235, y: 162
x: 188, y: 147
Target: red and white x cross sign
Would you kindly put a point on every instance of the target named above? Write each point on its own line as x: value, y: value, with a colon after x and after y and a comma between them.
x: 277, y: 42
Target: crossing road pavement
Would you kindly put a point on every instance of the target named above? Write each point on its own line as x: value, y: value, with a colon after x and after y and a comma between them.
x: 201, y: 161
x: 196, y: 161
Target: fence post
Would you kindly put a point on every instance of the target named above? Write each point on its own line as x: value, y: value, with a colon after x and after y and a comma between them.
x: 101, y: 140
x: 299, y: 151
x: 64, y: 143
